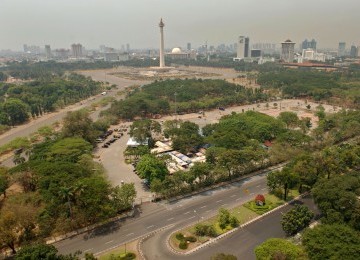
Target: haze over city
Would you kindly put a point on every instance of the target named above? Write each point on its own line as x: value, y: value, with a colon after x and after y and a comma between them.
x: 114, y: 23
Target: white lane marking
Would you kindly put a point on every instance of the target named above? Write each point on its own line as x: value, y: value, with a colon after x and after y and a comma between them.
x: 150, y: 226
x: 87, y: 250
x: 232, y: 196
x: 223, y: 205
x: 109, y: 242
x: 252, y: 193
x: 170, y: 219
x: 186, y: 212
x: 208, y: 210
x: 238, y: 199
x: 218, y: 201
x: 263, y: 189
x: 191, y: 217
x: 203, y: 207
x: 258, y: 186
x: 130, y: 234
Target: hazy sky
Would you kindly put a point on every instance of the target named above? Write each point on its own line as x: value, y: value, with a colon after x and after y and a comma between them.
x: 115, y: 22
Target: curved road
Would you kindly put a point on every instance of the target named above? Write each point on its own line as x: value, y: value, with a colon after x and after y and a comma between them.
x: 156, y: 216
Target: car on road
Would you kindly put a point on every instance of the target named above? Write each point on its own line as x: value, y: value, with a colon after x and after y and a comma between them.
x: 221, y: 108
x: 105, y: 146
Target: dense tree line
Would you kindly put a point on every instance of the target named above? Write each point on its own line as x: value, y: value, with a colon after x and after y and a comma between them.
x: 61, y: 187
x: 19, y: 102
x: 342, y: 88
x: 183, y: 96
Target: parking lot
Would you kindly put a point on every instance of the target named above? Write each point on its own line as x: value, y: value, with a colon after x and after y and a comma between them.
x: 113, y: 161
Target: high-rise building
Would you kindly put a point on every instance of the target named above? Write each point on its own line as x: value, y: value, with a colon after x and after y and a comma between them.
x: 128, y: 47
x: 48, y: 51
x: 243, y: 47
x: 189, y: 46
x: 287, y: 51
x: 353, y: 51
x: 341, y: 49
x: 76, y: 50
x: 308, y: 44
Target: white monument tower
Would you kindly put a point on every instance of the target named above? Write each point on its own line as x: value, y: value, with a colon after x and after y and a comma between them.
x: 162, y: 60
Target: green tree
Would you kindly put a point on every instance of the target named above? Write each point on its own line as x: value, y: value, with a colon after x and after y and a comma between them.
x: 150, y: 167
x: 37, y: 251
x: 332, y: 242
x: 296, y: 219
x: 78, y: 124
x: 277, y: 248
x: 223, y: 218
x: 284, y: 179
x: 289, y: 118
x: 17, y: 111
x: 123, y: 197
x: 8, y: 233
x: 141, y: 130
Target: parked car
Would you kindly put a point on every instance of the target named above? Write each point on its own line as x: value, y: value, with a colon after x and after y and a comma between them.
x: 221, y: 108
x: 105, y: 146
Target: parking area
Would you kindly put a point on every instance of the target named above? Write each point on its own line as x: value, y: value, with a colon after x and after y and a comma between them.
x: 112, y: 158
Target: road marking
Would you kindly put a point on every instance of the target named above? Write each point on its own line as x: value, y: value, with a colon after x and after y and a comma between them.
x: 232, y: 196
x: 208, y: 210
x: 223, y: 205
x: 238, y: 199
x: 218, y: 201
x: 203, y: 207
x: 130, y: 234
x: 87, y: 250
x: 258, y: 186
x: 192, y: 217
x: 109, y: 242
x: 263, y: 189
x: 170, y: 219
x: 252, y: 193
x: 150, y: 226
x: 186, y: 212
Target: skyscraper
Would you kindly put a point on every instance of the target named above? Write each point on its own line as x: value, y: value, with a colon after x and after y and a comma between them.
x: 353, y: 51
x: 48, y: 51
x: 243, y: 47
x: 162, y: 59
x: 189, y: 46
x: 308, y: 44
x: 76, y: 50
x: 341, y: 49
x: 287, y: 51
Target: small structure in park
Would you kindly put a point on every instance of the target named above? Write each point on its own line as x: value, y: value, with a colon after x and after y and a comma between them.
x: 260, y: 200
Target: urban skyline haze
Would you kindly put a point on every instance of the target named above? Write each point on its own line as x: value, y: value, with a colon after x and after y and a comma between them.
x: 115, y: 23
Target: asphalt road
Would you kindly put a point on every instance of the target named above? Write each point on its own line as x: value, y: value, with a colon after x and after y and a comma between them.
x: 155, y: 216
x: 241, y: 243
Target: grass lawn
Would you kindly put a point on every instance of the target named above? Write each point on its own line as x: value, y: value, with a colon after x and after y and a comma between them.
x: 117, y: 252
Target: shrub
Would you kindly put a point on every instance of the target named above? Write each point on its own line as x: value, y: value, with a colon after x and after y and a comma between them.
x: 179, y: 236
x: 183, y: 244
x: 191, y: 239
x: 205, y: 230
x: 234, y: 222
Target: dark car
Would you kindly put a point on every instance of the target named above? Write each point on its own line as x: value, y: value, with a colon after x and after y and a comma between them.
x: 105, y: 146
x: 221, y: 108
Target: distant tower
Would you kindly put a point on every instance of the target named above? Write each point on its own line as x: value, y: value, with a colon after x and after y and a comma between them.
x: 243, y: 47
x: 287, y: 51
x: 76, y: 50
x: 189, y: 46
x: 341, y: 49
x: 48, y: 51
x: 162, y: 60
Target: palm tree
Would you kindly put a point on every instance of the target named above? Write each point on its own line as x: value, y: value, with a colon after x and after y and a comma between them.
x: 67, y: 194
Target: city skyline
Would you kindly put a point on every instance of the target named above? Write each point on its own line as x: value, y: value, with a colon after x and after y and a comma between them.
x: 114, y: 23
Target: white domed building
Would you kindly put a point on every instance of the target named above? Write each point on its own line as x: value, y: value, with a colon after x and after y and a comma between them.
x: 177, y: 53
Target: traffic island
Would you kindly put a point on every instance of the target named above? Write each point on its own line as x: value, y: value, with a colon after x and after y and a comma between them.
x: 196, y: 236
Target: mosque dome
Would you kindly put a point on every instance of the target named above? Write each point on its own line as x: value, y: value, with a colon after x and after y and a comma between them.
x: 176, y: 50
